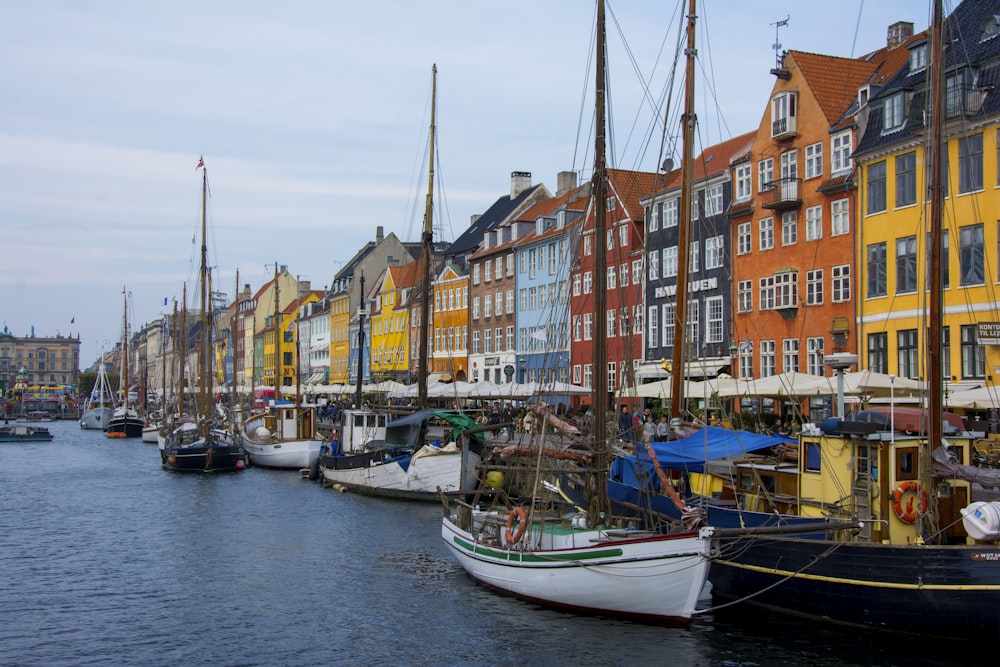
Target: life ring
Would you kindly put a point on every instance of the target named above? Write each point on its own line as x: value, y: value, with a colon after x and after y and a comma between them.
x: 916, y: 505
x: 513, y: 535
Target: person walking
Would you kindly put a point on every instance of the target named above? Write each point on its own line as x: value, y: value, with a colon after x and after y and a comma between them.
x: 625, y: 424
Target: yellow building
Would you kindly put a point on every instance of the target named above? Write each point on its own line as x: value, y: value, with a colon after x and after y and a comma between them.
x: 892, y: 244
x: 449, y: 324
x: 340, y: 344
x: 390, y: 322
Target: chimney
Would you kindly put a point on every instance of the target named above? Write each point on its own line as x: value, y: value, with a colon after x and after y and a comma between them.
x: 474, y: 218
x: 305, y: 287
x: 519, y: 182
x: 565, y: 181
x: 899, y: 32
x: 378, y: 235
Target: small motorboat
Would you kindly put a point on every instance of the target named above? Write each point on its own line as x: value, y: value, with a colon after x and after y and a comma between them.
x: 24, y: 433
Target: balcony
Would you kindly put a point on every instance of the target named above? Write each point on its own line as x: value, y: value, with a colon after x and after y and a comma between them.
x: 784, y: 128
x: 782, y: 194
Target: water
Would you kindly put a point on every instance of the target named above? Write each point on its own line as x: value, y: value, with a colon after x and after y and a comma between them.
x: 106, y: 559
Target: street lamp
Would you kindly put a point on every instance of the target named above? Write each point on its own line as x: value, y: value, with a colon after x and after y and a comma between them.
x: 892, y: 409
x: 840, y: 362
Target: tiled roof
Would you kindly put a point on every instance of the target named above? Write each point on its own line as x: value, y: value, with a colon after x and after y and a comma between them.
x: 501, y: 209
x: 833, y: 81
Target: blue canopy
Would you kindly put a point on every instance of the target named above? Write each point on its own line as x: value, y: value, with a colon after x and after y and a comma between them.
x: 690, y: 454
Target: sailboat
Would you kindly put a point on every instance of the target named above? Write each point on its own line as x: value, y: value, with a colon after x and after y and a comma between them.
x: 203, y: 444
x: 101, y: 402
x: 403, y: 464
x: 124, y: 422
x: 544, y: 531
x: 283, y: 437
x: 917, y: 557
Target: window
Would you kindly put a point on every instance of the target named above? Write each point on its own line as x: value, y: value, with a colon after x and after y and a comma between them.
x: 588, y: 282
x: 876, y: 187
x: 623, y: 274
x: 814, y: 160
x: 744, y: 183
x: 576, y: 284
x: 669, y: 322
x: 693, y: 321
x: 653, y: 216
x: 654, y: 264
x: 475, y: 307
x: 670, y: 262
x: 487, y: 270
x: 510, y: 302
x: 783, y: 113
x: 786, y: 290
x: 588, y: 326
x: 623, y: 236
x: 637, y: 271
x: 612, y: 281
x: 588, y: 244
x: 475, y: 274
x: 510, y: 265
x: 814, y: 223
x: 623, y: 318
x: 767, y: 293
x: 789, y: 228
x: 694, y: 257
x: 814, y: 287
x: 713, y: 252
x: 892, y: 112
x: 743, y: 235
x: 908, y: 358
x: 746, y: 360
x: 744, y: 290
x: 488, y: 305
x: 765, y: 174
x: 918, y: 58
x: 577, y: 327
x: 906, y: 264
x: 588, y: 374
x: 956, y: 87
x: 814, y: 355
x: 841, y: 286
x: 612, y: 314
x: 637, y: 320
x: 790, y: 355
x: 713, y: 200
x: 841, y: 148
x: 878, y: 352
x: 945, y: 264
x: 766, y: 233
x: 876, y: 270
x: 653, y: 329
x: 840, y: 214
x: 498, y: 266
x: 670, y: 215
x: 973, y: 354
x: 498, y: 338
x: 906, y: 179
x: 970, y: 163
x: 714, y: 314
x: 767, y: 361
x: 611, y: 239
x: 970, y: 255
x: 475, y: 342
x: 612, y: 376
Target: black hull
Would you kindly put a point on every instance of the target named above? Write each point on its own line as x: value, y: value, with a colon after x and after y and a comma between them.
x: 944, y: 591
x: 203, y: 458
x: 132, y: 428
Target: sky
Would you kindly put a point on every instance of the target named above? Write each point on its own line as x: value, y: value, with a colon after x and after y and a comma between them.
x: 313, y: 119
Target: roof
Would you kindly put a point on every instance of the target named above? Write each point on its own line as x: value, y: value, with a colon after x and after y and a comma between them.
x: 499, y: 212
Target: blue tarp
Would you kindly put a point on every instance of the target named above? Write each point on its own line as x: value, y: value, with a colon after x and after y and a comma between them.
x: 690, y: 454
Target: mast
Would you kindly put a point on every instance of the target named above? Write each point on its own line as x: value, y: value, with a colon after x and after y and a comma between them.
x: 232, y: 336
x: 204, y: 378
x: 277, y: 338
x: 184, y: 349
x: 688, y: 121
x: 123, y: 381
x: 428, y: 235
x: 935, y: 403
x: 163, y: 365
x: 361, y: 341
x: 599, y: 504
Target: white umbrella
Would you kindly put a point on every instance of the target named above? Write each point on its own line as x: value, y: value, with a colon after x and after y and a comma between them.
x: 980, y: 398
x: 783, y: 385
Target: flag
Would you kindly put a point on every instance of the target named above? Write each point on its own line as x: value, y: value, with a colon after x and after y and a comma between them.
x: 541, y: 334
x: 164, y: 301
x: 73, y: 320
x: 201, y: 163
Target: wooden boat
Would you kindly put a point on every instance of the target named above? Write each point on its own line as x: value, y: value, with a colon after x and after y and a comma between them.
x: 203, y: 444
x: 124, y: 422
x: 24, y: 433
x: 100, y: 403
x: 541, y: 527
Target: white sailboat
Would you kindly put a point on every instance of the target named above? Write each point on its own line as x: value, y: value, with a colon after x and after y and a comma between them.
x: 533, y: 539
x: 101, y: 402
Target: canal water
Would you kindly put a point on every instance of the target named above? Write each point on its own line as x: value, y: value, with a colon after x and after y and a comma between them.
x: 107, y: 559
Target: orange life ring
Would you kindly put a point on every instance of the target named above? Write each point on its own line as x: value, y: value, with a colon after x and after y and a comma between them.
x: 916, y: 505
x: 512, y: 535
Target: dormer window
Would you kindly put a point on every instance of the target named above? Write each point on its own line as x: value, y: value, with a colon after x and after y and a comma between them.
x: 560, y: 219
x: 918, y: 58
x: 784, y: 110
x: 612, y: 202
x: 539, y: 226
x: 991, y: 27
x: 892, y: 112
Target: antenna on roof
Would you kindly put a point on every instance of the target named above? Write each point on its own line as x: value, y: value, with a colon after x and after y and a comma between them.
x: 777, y: 44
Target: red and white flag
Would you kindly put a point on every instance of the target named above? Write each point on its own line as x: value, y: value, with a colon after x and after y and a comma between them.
x: 201, y: 163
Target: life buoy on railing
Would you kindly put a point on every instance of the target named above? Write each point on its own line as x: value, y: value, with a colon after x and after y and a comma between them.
x: 909, y: 501
x: 519, y: 516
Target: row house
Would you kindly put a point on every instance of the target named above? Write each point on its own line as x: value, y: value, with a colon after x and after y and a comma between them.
x: 486, y: 250
x: 543, y: 257
x: 708, y: 331
x: 794, y: 250
x: 449, y: 331
x: 390, y: 322
x: 313, y: 337
x: 623, y: 246
x: 263, y: 309
x: 893, y: 161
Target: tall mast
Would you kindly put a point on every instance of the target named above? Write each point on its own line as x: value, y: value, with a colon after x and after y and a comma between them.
x: 428, y: 235
x: 684, y: 227
x: 184, y: 350
x: 361, y: 341
x: 935, y: 379
x: 204, y: 379
x: 123, y: 381
x: 233, y: 338
x: 277, y: 337
x: 599, y: 504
